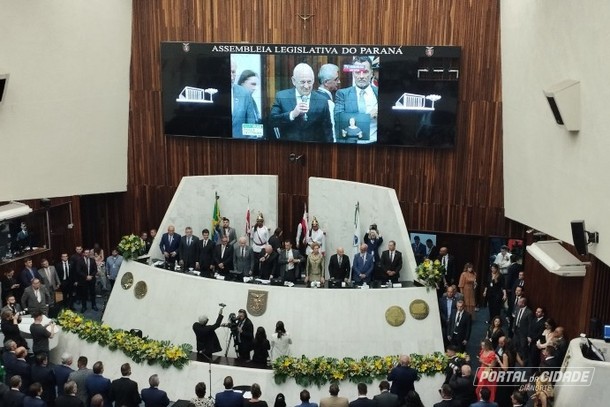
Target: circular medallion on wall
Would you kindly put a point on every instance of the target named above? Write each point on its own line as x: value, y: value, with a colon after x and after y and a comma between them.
x: 140, y: 289
x: 419, y: 309
x: 395, y: 315
x: 127, y: 281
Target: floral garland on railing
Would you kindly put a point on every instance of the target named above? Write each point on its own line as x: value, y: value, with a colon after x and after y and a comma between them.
x: 321, y: 370
x: 138, y: 349
x: 430, y: 273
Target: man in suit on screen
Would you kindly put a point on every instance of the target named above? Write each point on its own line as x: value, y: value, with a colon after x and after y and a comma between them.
x: 300, y: 113
x: 243, y: 107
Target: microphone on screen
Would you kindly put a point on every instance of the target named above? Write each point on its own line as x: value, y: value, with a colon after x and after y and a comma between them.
x: 305, y: 99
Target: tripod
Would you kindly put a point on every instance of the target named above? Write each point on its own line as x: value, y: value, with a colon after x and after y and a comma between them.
x: 232, y: 335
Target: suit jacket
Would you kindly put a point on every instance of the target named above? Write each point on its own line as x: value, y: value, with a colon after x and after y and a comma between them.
x: 484, y: 404
x: 267, y: 267
x: 336, y: 271
x: 433, y: 254
x: 189, y: 254
x: 229, y: 233
x: 450, y: 271
x: 448, y: 403
x: 361, y: 266
x: 65, y: 279
x: 229, y: 398
x: 13, y: 398
x: 98, y: 384
x: 346, y: 100
x: 395, y: 265
x: 317, y: 127
x: 124, y: 392
x: 46, y: 377
x: 460, y: 331
x: 282, y: 265
x: 442, y: 308
x: 207, y: 340
x: 23, y: 369
x: 419, y: 250
x: 83, y: 271
x: 225, y: 258
x: 62, y: 372
x: 463, y: 389
x: 153, y: 397
x: 68, y: 401
x: 27, y: 275
x: 403, y: 380
x: 244, y: 109
x: 386, y: 399
x: 334, y: 401
x: 80, y: 377
x: 29, y: 301
x: 536, y: 328
x: 363, y: 402
x: 29, y: 401
x: 244, y: 264
x: 53, y: 283
x: 165, y: 244
x: 524, y: 323
x: 206, y: 254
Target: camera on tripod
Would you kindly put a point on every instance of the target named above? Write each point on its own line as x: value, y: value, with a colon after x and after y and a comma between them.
x: 233, y: 323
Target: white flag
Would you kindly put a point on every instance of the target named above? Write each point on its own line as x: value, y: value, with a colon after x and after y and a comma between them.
x: 356, y: 242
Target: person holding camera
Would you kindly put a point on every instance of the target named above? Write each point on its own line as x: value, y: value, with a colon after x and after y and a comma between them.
x: 245, y: 335
x: 207, y: 340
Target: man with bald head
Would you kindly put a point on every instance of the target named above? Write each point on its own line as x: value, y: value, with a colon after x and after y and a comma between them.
x: 362, y: 269
x: 403, y: 378
x: 339, y: 266
x: 300, y: 113
x: 170, y: 243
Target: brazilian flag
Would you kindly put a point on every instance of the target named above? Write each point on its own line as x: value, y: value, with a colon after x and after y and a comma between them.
x: 216, y: 219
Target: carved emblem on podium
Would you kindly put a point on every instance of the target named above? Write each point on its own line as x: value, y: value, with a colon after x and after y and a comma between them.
x: 127, y: 281
x: 257, y: 302
x: 395, y: 315
x: 140, y: 290
x: 419, y: 309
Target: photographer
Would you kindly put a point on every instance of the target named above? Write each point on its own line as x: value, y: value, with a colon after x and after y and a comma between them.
x: 245, y: 335
x: 207, y: 341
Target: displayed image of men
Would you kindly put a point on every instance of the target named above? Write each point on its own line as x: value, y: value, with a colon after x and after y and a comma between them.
x: 207, y: 340
x: 243, y: 107
x: 299, y: 113
x: 359, y: 98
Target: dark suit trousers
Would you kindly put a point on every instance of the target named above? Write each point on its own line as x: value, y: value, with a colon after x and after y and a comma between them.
x: 87, y: 289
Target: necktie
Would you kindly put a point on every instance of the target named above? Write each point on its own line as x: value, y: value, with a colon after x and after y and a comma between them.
x: 459, y: 318
x: 188, y: 241
x: 66, y: 269
x: 243, y: 252
x: 37, y: 293
x: 340, y: 258
x: 170, y: 238
x: 87, y: 264
x: 391, y: 256
x: 362, y: 102
x: 519, y: 317
x: 48, y: 272
x: 222, y: 251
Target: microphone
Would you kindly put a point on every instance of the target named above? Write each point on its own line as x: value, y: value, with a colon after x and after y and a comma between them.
x: 304, y: 99
x: 222, y: 304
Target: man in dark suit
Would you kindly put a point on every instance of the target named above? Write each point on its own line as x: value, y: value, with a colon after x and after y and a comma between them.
x: 446, y: 397
x: 188, y: 251
x: 446, y: 307
x: 360, y: 98
x: 62, y: 372
x: 419, y: 250
x: 300, y: 114
x: 362, y: 266
x: 485, y: 397
x: 223, y: 256
x: 22, y: 368
x: 243, y: 258
x: 362, y: 400
x: 153, y: 397
x: 431, y: 250
x: 205, y: 248
x: 245, y: 335
x: 267, y: 264
x: 460, y: 325
x: 391, y: 263
x: 86, y: 270
x: 68, y: 281
x: 228, y: 397
x: 98, y: 384
x: 534, y: 333
x: 513, y: 307
x: 448, y: 262
x: 403, y: 378
x: 454, y: 362
x: 68, y: 397
x: 385, y: 398
x: 124, y: 391
x: 28, y: 274
x: 170, y: 243
x: 339, y: 266
x: 289, y: 262
x: 14, y: 397
x: 549, y: 362
x: 523, y: 319
x: 43, y: 374
x: 462, y: 384
x: 243, y: 107
x: 207, y: 341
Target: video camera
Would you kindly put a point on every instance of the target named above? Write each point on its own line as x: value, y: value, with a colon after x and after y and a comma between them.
x: 233, y: 323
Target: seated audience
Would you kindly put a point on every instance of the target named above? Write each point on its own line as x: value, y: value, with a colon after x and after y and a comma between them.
x: 202, y: 401
x: 334, y: 400
x: 228, y: 397
x: 385, y: 398
x: 362, y: 400
x: 304, y: 396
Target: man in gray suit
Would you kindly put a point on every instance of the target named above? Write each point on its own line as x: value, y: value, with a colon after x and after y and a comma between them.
x: 36, y: 298
x: 228, y: 231
x: 50, y: 279
x: 243, y: 258
x: 188, y: 252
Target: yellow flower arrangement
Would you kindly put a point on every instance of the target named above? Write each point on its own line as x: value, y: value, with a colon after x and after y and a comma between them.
x: 430, y: 273
x: 321, y: 370
x: 131, y: 246
x: 138, y: 349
